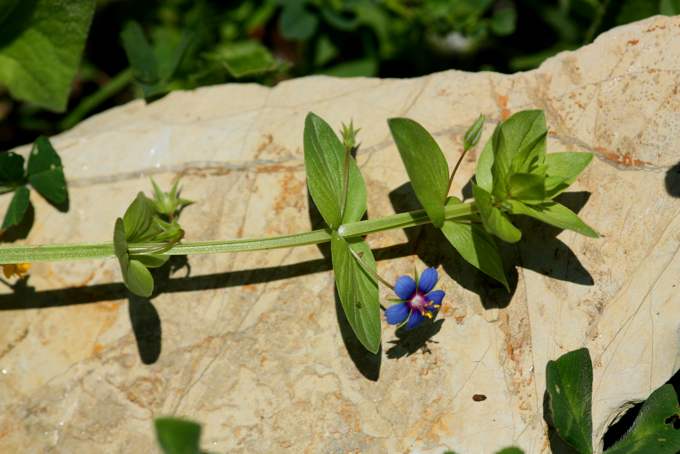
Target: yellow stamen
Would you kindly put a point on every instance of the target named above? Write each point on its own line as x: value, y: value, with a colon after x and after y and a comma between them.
x: 428, y: 314
x: 15, y: 269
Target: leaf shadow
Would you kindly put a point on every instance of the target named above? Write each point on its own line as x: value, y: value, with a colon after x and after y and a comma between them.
x: 539, y: 250
x: 417, y: 339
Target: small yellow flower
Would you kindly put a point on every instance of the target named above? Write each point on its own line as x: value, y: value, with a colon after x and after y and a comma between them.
x: 15, y: 269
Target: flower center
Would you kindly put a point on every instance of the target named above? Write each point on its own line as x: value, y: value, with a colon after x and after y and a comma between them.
x: 418, y: 302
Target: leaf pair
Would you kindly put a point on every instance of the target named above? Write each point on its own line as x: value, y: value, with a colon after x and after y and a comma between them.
x: 514, y: 175
x: 142, y: 224
x: 44, y: 172
x: 569, y: 386
x: 428, y: 171
x: 339, y: 192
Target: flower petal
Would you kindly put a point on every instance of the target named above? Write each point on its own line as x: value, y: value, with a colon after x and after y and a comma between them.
x: 405, y: 287
x: 414, y: 320
x: 428, y: 280
x: 396, y: 313
x: 436, y: 297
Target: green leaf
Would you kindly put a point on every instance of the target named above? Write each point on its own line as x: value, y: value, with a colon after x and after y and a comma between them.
x: 494, y: 220
x: 296, y: 22
x: 142, y: 59
x: 483, y: 173
x: 554, y: 214
x: 503, y: 21
x: 139, y: 220
x: 178, y: 436
x: 151, y: 261
x: 324, y: 163
x: 363, y: 67
x: 527, y: 186
x: 473, y: 133
x: 655, y: 429
x: 510, y: 450
x: 425, y: 164
x: 46, y: 173
x: 139, y: 279
x: 358, y: 291
x: 569, y: 382
x: 40, y: 49
x: 669, y: 7
x: 17, y: 208
x: 476, y: 246
x: 245, y: 58
x: 120, y: 247
x: 11, y: 167
x: 562, y: 169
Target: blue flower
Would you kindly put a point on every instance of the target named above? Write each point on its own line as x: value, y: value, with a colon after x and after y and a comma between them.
x: 418, y: 300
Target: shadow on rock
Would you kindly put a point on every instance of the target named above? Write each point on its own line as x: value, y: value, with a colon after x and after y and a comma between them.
x: 366, y: 362
x: 410, y: 342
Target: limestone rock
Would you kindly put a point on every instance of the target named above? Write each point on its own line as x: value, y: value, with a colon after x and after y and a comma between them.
x: 249, y: 344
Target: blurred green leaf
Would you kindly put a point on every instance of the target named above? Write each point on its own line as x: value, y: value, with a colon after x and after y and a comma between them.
x: 324, y: 163
x: 477, y: 247
x: 17, y: 208
x: 569, y: 382
x: 657, y: 427
x: 178, y: 436
x: 245, y: 58
x: 493, y: 219
x: 425, y: 164
x: 669, y: 7
x: 510, y: 450
x: 358, y: 291
x: 296, y: 22
x: 325, y: 51
x: 46, y: 173
x: 503, y: 21
x: 6, y: 8
x: 554, y: 214
x: 366, y: 67
x: 40, y: 48
x: 142, y: 60
x: 11, y: 168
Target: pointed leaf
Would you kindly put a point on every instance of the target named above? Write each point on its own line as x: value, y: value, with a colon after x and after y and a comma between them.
x: 563, y: 169
x: 358, y: 290
x: 425, y: 164
x: 17, y: 208
x: 554, y: 214
x: 569, y: 382
x: 483, y: 174
x: 46, y: 173
x: 139, y: 220
x: 324, y: 163
x: 494, y: 220
x: 473, y: 133
x: 657, y: 427
x: 178, y: 436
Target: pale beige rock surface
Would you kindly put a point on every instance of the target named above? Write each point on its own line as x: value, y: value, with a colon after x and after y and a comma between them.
x: 250, y: 345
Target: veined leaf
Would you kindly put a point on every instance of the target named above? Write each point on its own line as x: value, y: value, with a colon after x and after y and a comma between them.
x: 324, y: 163
x: 17, y: 208
x: 554, y: 214
x: 178, y: 436
x: 569, y: 382
x: 425, y: 164
x: 41, y: 48
x: 655, y: 430
x: 483, y: 174
x: 139, y: 220
x: 562, y: 169
x: 527, y: 187
x: 358, y: 290
x: 494, y: 220
x: 46, y: 173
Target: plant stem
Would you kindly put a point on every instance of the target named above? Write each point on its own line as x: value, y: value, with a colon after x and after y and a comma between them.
x: 455, y: 169
x: 58, y: 252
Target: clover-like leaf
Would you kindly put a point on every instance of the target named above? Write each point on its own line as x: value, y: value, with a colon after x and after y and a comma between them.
x: 657, y: 427
x: 493, y: 219
x: 554, y: 214
x: 11, y: 168
x: 425, y: 164
x: 324, y: 163
x: 357, y: 289
x: 569, y: 382
x: 17, y: 208
x: 178, y: 436
x: 46, y: 173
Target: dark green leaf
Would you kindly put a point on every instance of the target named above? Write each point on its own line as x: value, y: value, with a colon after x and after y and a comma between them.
x: 140, y: 54
x: 569, y: 382
x: 655, y: 430
x: 364, y: 67
x: 554, y: 214
x: 425, y: 164
x: 245, y: 58
x: 511, y: 450
x: 6, y: 8
x: 494, y: 220
x: 669, y: 7
x: 40, y: 49
x: 337, y: 20
x: 324, y: 163
x: 11, y: 167
x: 17, y: 208
x: 139, y: 279
x: 562, y: 170
x: 527, y: 186
x: 357, y: 289
x: 178, y: 436
x: 45, y: 172
x: 473, y: 134
x: 325, y: 51
x: 503, y: 21
x: 296, y: 22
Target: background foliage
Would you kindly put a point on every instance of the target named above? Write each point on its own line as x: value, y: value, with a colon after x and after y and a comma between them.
x: 45, y: 87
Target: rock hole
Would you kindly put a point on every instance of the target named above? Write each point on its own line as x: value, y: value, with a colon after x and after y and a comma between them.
x: 617, y: 430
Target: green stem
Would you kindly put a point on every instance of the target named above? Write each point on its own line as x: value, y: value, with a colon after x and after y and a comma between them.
x: 57, y: 252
